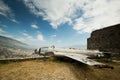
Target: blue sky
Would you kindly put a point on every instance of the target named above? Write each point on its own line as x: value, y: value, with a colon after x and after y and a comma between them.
x: 63, y: 23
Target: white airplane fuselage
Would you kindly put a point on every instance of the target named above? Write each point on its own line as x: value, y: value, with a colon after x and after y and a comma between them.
x: 62, y: 51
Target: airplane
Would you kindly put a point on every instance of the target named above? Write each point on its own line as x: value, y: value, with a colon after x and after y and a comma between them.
x: 84, y: 56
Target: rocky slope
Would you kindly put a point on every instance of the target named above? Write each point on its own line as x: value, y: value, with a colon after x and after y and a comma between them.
x: 12, y: 48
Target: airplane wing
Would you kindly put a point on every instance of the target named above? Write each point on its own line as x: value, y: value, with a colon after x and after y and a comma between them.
x: 79, y: 57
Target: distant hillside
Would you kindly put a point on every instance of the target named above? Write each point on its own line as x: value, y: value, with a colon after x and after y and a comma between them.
x: 11, y: 43
x: 11, y: 48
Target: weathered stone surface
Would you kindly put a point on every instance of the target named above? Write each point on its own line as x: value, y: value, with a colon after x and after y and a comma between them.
x: 106, y: 39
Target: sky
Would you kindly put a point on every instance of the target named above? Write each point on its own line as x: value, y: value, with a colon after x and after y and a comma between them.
x: 63, y: 23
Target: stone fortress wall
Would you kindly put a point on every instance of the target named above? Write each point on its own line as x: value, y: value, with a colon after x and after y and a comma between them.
x: 106, y: 39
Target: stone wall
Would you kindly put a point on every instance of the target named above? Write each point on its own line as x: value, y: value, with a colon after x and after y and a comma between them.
x: 106, y: 39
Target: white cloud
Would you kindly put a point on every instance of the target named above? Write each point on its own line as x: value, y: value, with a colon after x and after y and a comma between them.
x: 27, y: 36
x: 52, y: 36
x: 34, y: 26
x: 5, y: 26
x: 4, y: 9
x: 7, y: 35
x: 14, y: 20
x: 4, y: 33
x: 40, y: 37
x: 98, y: 14
x: 83, y: 15
x: 35, y: 41
x: 59, y: 41
x: 1, y: 31
x: 56, y: 12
